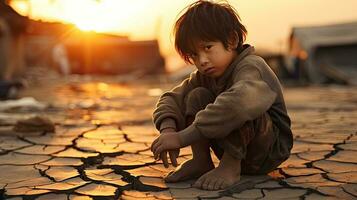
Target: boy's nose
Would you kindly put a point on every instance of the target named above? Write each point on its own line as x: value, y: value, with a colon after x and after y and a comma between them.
x: 203, y: 61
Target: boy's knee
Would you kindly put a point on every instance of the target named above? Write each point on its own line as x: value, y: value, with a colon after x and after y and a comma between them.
x: 197, y: 100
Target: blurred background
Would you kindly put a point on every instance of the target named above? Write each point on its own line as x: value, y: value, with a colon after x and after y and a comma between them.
x: 80, y: 79
x: 304, y: 42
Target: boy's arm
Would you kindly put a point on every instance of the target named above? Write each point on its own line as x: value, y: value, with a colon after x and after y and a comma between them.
x: 167, y: 123
x: 169, y: 112
x: 247, y: 99
x: 169, y: 117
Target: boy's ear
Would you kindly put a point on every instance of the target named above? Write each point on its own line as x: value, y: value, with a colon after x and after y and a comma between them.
x: 233, y: 41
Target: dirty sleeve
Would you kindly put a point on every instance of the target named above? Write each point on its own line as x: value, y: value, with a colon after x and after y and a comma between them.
x: 248, y: 98
x: 170, y: 108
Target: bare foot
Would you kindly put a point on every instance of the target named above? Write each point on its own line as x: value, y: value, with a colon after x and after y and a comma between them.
x: 226, y: 174
x: 188, y: 170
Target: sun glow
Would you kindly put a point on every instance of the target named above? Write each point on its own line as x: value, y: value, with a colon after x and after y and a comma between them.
x: 94, y: 15
x: 91, y: 15
x: 150, y: 19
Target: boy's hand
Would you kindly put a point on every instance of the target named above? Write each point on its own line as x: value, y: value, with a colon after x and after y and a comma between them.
x: 172, y: 153
x: 173, y: 156
x: 166, y: 141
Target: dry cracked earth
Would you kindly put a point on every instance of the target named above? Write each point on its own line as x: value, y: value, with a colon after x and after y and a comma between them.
x: 103, y: 130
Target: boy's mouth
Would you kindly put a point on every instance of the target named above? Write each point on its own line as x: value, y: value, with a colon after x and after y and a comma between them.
x: 209, y: 70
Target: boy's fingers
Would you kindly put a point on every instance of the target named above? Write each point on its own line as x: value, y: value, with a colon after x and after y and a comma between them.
x: 156, y: 153
x: 163, y: 156
x: 177, y: 153
x: 153, y: 151
x: 173, y: 158
x: 158, y: 150
x: 156, y: 145
x: 153, y: 144
x: 155, y: 156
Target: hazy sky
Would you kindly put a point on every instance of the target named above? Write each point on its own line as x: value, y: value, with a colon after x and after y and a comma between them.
x: 268, y: 21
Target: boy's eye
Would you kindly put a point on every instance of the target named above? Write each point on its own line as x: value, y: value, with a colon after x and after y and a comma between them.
x: 208, y: 47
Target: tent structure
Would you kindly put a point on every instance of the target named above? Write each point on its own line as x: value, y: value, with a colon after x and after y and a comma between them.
x: 324, y: 53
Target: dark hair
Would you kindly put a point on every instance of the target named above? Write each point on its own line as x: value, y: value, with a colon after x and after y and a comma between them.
x: 207, y: 21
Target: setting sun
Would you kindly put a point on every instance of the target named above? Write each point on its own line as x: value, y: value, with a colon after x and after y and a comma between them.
x: 87, y: 18
x: 100, y: 16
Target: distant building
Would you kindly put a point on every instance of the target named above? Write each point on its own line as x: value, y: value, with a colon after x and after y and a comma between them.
x: 108, y: 54
x: 321, y: 54
x: 12, y: 29
x: 41, y: 40
x: 90, y: 52
x: 274, y: 60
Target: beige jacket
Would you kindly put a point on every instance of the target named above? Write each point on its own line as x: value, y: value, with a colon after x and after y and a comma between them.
x: 247, y: 89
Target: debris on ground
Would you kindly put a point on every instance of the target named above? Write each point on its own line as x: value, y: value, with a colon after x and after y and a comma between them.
x: 25, y: 103
x: 37, y: 123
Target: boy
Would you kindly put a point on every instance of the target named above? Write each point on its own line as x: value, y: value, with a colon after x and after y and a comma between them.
x: 233, y: 104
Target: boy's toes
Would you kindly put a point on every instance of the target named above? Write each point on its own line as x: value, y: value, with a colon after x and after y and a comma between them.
x: 206, y: 184
x: 219, y: 184
x: 216, y: 184
x: 224, y: 185
x: 211, y: 184
x: 199, y: 182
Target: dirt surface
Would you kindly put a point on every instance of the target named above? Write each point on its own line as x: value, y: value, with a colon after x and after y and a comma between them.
x: 103, y: 130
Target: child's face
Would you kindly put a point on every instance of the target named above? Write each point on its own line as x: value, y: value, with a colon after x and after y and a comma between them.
x: 212, y: 58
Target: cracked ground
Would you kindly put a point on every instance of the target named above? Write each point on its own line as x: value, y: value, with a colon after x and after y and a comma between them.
x: 103, y: 130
